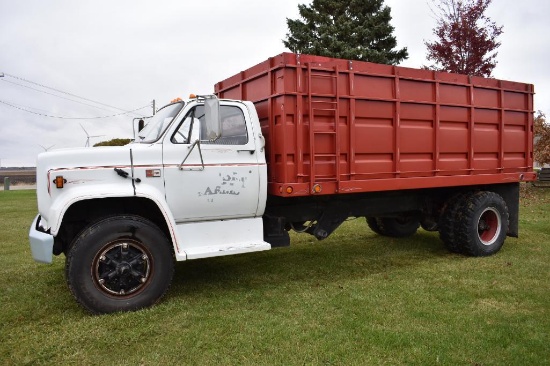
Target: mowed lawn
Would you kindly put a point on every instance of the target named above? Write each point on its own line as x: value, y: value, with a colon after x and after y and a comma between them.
x: 353, y: 299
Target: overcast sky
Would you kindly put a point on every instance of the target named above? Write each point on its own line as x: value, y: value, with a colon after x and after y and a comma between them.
x: 126, y: 53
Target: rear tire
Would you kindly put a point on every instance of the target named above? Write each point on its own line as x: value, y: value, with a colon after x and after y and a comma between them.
x: 121, y: 263
x: 482, y: 224
x: 396, y: 227
x: 373, y: 225
x: 448, y: 221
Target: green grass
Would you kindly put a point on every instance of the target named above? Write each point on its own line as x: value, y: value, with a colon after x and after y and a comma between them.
x: 354, y: 298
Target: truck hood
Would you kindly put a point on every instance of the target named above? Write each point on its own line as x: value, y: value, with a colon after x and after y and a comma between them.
x: 101, y: 156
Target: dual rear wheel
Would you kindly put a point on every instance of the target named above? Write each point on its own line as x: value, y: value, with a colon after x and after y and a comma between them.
x: 474, y: 224
x: 471, y: 223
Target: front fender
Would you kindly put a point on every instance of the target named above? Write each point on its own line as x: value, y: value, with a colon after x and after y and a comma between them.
x: 65, y: 199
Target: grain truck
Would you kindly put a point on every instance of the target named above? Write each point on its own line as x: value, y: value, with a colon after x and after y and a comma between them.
x: 297, y: 142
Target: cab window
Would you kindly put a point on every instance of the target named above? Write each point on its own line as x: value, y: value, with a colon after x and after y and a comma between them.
x: 233, y: 127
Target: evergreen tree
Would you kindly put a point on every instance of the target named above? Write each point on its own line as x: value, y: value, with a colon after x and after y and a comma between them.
x: 349, y: 29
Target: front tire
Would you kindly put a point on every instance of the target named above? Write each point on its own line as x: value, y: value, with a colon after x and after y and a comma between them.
x: 121, y: 263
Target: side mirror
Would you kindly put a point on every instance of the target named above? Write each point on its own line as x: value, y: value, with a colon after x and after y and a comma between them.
x: 140, y: 126
x: 212, y: 118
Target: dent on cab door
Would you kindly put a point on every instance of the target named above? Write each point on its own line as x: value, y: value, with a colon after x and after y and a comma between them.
x: 224, y: 183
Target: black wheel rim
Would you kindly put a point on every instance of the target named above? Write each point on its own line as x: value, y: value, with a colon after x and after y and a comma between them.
x: 122, y: 268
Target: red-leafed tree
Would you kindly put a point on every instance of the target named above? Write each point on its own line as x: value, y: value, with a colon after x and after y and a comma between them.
x: 466, y: 39
x: 542, y: 139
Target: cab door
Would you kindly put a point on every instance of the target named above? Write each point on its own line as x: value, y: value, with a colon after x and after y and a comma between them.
x: 212, y: 180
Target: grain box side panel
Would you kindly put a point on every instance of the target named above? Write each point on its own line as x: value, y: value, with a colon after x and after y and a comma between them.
x: 516, y: 137
x: 374, y: 139
x: 453, y: 140
x: 417, y: 141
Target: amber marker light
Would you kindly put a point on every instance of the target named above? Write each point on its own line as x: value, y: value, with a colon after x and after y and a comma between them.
x: 59, y: 181
x: 289, y: 190
x: 192, y: 96
x: 317, y: 188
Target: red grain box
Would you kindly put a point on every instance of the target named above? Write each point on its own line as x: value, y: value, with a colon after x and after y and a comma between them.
x: 339, y: 126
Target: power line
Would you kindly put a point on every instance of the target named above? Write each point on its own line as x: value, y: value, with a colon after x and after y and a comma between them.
x: 36, y: 109
x: 55, y: 95
x: 64, y: 92
x: 62, y: 117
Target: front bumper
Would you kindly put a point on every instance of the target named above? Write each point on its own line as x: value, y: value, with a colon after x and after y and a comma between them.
x: 41, y: 243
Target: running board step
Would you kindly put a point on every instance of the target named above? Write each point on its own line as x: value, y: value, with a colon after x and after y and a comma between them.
x: 221, y: 250
x: 220, y: 237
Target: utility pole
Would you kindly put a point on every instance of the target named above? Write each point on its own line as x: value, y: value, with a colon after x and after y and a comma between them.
x: 154, y: 109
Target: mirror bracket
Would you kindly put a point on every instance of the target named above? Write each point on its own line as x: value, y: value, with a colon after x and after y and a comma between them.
x: 201, y: 168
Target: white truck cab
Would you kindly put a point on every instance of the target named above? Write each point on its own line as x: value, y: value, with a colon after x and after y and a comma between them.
x: 192, y: 185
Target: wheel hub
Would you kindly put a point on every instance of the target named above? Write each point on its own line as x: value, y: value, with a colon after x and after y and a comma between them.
x: 122, y: 268
x: 489, y: 226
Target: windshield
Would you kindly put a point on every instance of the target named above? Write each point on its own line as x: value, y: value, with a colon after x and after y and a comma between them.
x: 158, y: 123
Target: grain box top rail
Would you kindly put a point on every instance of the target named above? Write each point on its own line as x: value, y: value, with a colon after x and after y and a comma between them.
x: 295, y: 60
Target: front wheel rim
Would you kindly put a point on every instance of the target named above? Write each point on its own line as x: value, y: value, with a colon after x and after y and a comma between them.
x: 122, y: 268
x: 489, y: 226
